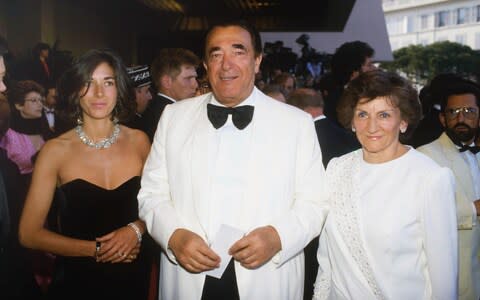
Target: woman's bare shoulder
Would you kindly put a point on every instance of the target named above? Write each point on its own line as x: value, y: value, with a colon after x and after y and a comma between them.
x: 135, y: 135
x: 59, y: 145
x: 138, y: 138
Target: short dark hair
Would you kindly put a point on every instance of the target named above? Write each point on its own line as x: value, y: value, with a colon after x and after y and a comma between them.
x: 170, y: 61
x: 348, y: 58
x: 458, y: 86
x: 378, y: 83
x: 305, y: 97
x: 75, y: 79
x: 254, y: 34
x: 18, y: 91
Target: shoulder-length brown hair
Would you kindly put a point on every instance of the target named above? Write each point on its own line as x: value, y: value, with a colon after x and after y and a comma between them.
x: 378, y: 83
x: 71, y: 86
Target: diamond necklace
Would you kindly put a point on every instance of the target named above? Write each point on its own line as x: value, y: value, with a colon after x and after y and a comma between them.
x: 102, y: 144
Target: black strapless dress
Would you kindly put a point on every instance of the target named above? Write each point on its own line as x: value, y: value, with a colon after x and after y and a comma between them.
x: 89, y: 211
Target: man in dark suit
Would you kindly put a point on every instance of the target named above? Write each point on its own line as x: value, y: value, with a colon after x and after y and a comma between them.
x: 175, y: 76
x: 57, y: 123
x: 334, y: 141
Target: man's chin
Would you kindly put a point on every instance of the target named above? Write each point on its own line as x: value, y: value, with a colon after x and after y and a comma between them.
x: 464, y: 136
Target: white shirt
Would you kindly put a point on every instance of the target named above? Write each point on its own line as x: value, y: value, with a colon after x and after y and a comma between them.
x: 229, y: 158
x: 50, y: 115
x: 169, y: 98
x: 320, y: 117
x: 474, y: 168
x: 472, y: 162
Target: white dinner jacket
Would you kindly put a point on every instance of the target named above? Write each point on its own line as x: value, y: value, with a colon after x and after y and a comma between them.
x: 446, y: 154
x: 284, y: 189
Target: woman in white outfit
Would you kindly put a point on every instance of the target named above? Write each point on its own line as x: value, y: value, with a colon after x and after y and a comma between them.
x: 391, y: 231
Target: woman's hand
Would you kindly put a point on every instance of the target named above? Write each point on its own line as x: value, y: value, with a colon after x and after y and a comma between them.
x: 117, y: 246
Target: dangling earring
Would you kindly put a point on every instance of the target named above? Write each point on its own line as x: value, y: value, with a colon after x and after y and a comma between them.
x: 353, y: 129
x: 402, y: 130
x: 78, y: 114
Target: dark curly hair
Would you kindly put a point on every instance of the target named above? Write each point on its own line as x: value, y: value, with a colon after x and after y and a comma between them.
x: 378, y: 83
x: 348, y: 58
x: 18, y: 91
x: 75, y: 79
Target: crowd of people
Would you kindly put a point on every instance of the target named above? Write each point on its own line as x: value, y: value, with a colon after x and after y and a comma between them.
x: 148, y: 182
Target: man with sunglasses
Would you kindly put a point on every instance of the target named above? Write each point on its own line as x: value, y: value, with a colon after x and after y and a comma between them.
x: 456, y: 149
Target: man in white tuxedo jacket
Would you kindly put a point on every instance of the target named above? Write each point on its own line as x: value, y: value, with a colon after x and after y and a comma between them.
x: 460, y: 118
x: 236, y: 157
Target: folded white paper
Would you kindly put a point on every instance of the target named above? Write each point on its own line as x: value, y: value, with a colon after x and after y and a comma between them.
x: 224, y: 239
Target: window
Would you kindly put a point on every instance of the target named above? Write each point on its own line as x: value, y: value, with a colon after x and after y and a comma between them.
x: 478, y: 13
x: 462, y: 15
x: 410, y: 24
x: 424, y: 22
x: 442, y: 18
x: 395, y: 26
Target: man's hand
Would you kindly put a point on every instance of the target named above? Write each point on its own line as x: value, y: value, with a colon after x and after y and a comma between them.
x: 257, y: 247
x: 192, y: 252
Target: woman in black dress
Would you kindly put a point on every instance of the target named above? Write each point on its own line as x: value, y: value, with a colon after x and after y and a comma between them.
x: 96, y: 167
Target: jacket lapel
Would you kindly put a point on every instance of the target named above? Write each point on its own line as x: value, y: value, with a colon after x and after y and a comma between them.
x: 200, y: 172
x: 457, y: 165
x: 259, y: 145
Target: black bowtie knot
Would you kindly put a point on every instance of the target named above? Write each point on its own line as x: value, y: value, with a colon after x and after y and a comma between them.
x: 473, y: 149
x: 241, y: 115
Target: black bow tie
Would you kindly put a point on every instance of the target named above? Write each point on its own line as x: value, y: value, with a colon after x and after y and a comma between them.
x: 49, y: 111
x: 473, y: 149
x: 241, y: 115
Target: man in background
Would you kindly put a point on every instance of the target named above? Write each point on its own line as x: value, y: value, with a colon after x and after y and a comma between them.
x: 456, y: 149
x: 174, y: 73
x: 348, y: 61
x: 140, y: 76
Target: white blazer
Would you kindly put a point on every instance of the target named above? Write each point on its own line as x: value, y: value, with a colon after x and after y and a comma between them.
x: 446, y: 154
x: 284, y: 189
